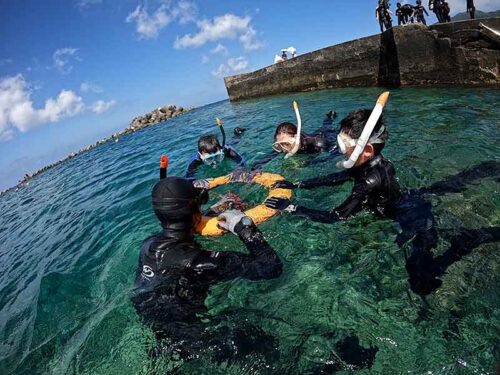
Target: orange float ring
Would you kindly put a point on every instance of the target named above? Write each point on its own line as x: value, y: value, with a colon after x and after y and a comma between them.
x: 259, y: 214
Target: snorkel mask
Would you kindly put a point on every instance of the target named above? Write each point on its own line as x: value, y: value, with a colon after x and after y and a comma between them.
x: 291, y: 146
x: 213, y: 159
x: 284, y: 146
x: 344, y: 141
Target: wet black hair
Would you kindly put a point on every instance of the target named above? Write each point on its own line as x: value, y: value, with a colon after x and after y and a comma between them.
x: 354, y: 123
x: 209, y: 144
x: 286, y: 128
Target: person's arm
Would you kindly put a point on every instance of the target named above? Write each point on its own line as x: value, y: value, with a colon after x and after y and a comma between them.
x: 266, y: 159
x: 235, y: 156
x: 425, y: 11
x: 351, y: 206
x: 193, y: 165
x: 333, y: 179
x: 262, y: 262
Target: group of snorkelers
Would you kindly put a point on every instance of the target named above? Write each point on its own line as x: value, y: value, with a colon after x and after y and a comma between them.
x: 175, y: 272
x: 408, y: 13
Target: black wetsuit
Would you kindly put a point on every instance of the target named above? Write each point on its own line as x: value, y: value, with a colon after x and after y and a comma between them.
x: 471, y: 8
x: 323, y: 140
x: 174, y: 277
x: 405, y: 14
x: 419, y: 14
x: 383, y: 16
x: 376, y: 189
x: 438, y: 9
x: 229, y: 152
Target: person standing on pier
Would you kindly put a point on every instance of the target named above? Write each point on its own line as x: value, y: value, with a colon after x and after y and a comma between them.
x: 419, y: 12
x: 471, y: 9
x: 383, y: 15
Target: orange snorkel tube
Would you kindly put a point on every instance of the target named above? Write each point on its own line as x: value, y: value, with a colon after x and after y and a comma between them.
x: 163, y: 166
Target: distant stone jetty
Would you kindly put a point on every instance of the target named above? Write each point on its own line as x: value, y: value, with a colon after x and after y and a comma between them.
x: 156, y: 116
x: 455, y: 53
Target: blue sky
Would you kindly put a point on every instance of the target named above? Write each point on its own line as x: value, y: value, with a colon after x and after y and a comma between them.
x: 74, y: 71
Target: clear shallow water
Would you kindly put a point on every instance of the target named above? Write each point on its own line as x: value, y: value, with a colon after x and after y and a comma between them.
x: 69, y: 247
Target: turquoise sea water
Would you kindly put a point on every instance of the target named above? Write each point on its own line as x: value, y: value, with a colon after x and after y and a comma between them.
x: 69, y: 245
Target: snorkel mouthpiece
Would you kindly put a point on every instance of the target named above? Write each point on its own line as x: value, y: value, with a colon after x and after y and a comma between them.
x: 367, y: 131
x: 299, y: 129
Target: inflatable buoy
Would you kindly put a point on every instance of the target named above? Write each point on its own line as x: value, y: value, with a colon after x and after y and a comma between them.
x: 208, y: 225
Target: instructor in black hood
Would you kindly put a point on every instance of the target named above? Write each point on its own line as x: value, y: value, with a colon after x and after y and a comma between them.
x: 175, y: 273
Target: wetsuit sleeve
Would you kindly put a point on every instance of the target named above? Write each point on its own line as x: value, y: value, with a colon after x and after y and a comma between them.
x: 351, y: 206
x: 231, y: 153
x: 193, y: 165
x: 266, y: 159
x: 330, y: 180
x: 262, y: 262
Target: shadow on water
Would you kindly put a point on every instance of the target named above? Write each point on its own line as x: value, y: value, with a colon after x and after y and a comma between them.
x: 388, y: 68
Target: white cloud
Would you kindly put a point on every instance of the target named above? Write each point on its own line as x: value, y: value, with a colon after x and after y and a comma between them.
x: 148, y: 25
x: 101, y: 106
x: 86, y: 87
x: 63, y: 59
x: 228, y: 26
x: 249, y: 40
x: 17, y: 112
x: 237, y: 64
x: 219, y: 49
x: 5, y: 62
x: 205, y: 59
x: 233, y: 66
x: 84, y: 4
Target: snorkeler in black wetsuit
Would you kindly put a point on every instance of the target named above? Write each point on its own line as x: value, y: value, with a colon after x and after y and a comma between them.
x: 323, y: 140
x: 212, y: 153
x: 175, y: 273
x: 376, y: 189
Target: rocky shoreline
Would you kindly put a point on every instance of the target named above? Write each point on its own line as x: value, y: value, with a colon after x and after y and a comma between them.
x: 160, y: 114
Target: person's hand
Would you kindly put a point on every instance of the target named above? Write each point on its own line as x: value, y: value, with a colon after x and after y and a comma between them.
x: 229, y: 219
x: 244, y: 176
x: 284, y: 185
x: 280, y: 204
x: 201, y: 184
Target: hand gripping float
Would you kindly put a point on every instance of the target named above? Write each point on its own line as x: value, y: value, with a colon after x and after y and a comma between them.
x: 259, y: 214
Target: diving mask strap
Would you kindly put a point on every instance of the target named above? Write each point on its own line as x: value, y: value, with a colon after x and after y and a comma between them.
x: 299, y: 130
x: 367, y: 131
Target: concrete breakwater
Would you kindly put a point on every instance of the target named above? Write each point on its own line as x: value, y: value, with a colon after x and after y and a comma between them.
x: 156, y: 116
x: 456, y: 53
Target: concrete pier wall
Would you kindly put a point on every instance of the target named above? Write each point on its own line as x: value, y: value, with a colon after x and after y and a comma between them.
x: 457, y: 53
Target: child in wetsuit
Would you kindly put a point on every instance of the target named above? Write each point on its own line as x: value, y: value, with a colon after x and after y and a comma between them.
x: 210, y: 152
x: 323, y: 140
x: 376, y: 189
